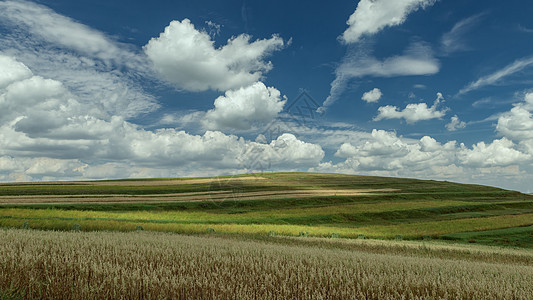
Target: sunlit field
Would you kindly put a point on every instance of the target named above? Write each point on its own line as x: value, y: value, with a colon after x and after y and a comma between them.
x: 291, y: 204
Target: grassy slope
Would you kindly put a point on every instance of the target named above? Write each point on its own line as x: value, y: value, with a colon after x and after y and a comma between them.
x: 417, y: 209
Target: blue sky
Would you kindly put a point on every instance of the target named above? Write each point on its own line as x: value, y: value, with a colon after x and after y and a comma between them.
x: 414, y: 88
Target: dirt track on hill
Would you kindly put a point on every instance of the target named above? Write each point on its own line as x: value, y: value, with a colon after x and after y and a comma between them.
x: 186, y: 197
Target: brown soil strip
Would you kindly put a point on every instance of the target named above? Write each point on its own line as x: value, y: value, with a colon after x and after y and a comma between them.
x: 186, y: 197
x: 140, y: 182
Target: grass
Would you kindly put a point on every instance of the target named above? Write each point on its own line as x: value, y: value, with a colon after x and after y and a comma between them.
x: 435, y: 229
x: 519, y: 236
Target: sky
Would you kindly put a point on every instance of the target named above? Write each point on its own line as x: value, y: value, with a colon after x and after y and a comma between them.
x: 427, y: 89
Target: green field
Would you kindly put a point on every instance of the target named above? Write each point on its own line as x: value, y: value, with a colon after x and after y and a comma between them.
x: 278, y: 204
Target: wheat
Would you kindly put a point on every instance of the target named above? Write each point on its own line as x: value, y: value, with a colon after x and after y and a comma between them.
x: 141, y: 265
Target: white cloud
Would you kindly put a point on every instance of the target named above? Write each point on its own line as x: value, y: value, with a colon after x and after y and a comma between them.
x: 371, y: 16
x: 214, y: 28
x: 500, y: 152
x: 45, y: 24
x: 455, y: 124
x: 383, y: 153
x: 498, y: 76
x: 91, y: 65
x: 241, y: 108
x: 517, y: 124
x: 187, y: 57
x: 12, y: 71
x: 42, y: 119
x: 372, y: 96
x: 286, y: 152
x: 42, y: 168
x: 66, y: 105
x: 417, y: 60
x: 346, y: 150
x: 528, y: 99
x: 412, y: 113
x: 452, y: 41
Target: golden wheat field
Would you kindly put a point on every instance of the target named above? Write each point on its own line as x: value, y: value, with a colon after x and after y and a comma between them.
x: 147, y: 265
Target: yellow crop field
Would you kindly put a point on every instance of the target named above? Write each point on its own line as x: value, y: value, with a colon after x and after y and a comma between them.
x: 140, y: 265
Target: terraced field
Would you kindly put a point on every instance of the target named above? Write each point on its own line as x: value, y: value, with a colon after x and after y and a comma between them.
x: 277, y: 204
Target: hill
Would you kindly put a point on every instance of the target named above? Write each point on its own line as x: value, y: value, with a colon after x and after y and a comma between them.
x: 277, y: 204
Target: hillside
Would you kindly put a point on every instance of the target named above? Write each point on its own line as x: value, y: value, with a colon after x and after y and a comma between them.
x: 277, y: 204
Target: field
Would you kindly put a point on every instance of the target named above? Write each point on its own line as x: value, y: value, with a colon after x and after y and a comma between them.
x: 269, y: 235
x: 140, y: 265
x: 288, y: 204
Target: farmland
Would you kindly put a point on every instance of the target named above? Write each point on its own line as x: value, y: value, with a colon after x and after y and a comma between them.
x: 134, y: 265
x: 269, y: 235
x: 288, y: 204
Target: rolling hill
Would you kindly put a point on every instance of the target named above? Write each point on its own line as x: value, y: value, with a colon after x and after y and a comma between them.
x: 277, y: 204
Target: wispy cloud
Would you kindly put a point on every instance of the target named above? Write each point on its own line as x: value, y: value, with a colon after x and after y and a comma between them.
x: 359, y: 62
x: 499, y: 75
x: 524, y: 29
x: 453, y: 40
x: 372, y: 16
x: 93, y: 66
x: 44, y: 24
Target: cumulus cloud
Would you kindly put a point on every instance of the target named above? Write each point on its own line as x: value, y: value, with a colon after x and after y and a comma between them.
x: 372, y: 16
x: 187, y: 57
x: 455, y: 124
x: 500, y: 152
x: 68, y: 98
x: 43, y: 168
x: 42, y: 119
x: 285, y: 152
x: 372, y: 96
x: 12, y: 71
x: 241, y: 108
x: 413, y: 112
x: 384, y: 153
x: 517, y: 124
x: 496, y: 77
x: 418, y: 59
